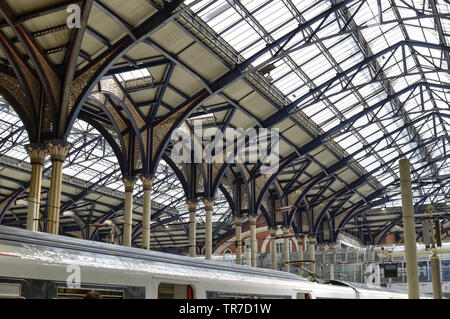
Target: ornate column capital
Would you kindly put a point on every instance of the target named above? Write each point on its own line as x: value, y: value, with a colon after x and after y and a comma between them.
x: 58, y: 150
x: 129, y: 182
x: 252, y: 219
x: 37, y: 153
x: 286, y: 230
x: 312, y: 240
x: 147, y: 182
x: 192, y: 204
x: 273, y: 232
x: 237, y: 221
x: 209, y: 203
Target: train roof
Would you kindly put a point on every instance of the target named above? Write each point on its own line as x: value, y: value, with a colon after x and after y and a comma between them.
x: 358, y: 286
x: 59, y: 244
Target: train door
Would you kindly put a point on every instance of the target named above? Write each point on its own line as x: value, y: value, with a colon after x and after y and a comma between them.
x: 303, y: 295
x: 175, y: 291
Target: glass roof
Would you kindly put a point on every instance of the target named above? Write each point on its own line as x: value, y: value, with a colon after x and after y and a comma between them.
x: 331, y: 58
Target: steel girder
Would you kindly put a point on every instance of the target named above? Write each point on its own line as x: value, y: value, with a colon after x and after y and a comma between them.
x: 318, y: 20
x: 121, y: 47
x: 364, y: 178
x: 282, y: 114
x: 323, y: 138
x: 356, y: 208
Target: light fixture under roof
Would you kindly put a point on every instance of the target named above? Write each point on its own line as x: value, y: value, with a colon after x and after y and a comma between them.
x: 202, y: 119
x: 136, y: 78
x: 22, y: 202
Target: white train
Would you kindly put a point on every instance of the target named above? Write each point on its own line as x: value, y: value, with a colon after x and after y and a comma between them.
x: 39, y: 265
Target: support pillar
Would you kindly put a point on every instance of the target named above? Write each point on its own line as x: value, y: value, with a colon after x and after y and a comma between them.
x: 209, y: 203
x: 248, y: 254
x: 238, y: 224
x: 192, y: 205
x: 436, y: 275
x: 300, y: 241
x: 409, y: 230
x: 58, y: 152
x: 37, y: 153
x: 312, y: 252
x: 253, y: 241
x: 286, y: 251
x: 147, y: 182
x: 128, y: 210
x: 273, y: 247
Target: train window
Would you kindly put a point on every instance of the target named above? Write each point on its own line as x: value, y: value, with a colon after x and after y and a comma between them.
x: 81, y: 293
x: 10, y: 291
x: 236, y: 297
x: 173, y: 291
x: 230, y: 295
x: 302, y: 295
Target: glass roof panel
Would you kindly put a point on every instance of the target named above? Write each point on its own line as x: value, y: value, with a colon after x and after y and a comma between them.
x: 332, y: 50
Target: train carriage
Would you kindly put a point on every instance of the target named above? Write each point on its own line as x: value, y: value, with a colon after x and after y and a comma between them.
x: 40, y: 265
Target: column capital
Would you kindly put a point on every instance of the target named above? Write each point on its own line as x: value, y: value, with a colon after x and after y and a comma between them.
x: 273, y: 232
x: 58, y: 150
x: 129, y: 182
x: 286, y: 229
x: 312, y: 240
x: 237, y: 221
x: 252, y: 219
x: 209, y: 203
x: 147, y: 181
x: 37, y: 153
x: 192, y: 204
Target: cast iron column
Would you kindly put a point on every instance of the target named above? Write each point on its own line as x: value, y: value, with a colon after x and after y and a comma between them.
x: 147, y: 182
x: 192, y: 205
x: 37, y: 153
x: 209, y: 203
x: 128, y: 210
x: 409, y: 230
x: 273, y: 247
x: 58, y: 152
x: 238, y: 224
x: 286, y: 251
x: 253, y: 241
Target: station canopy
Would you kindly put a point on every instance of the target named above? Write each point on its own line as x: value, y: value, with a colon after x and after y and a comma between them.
x: 402, y: 40
x: 358, y: 85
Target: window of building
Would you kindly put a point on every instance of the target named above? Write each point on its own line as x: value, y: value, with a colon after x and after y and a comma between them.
x: 279, y: 248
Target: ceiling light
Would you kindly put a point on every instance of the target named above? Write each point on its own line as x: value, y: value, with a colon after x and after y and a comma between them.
x: 267, y: 69
x: 23, y: 202
x: 202, y: 119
